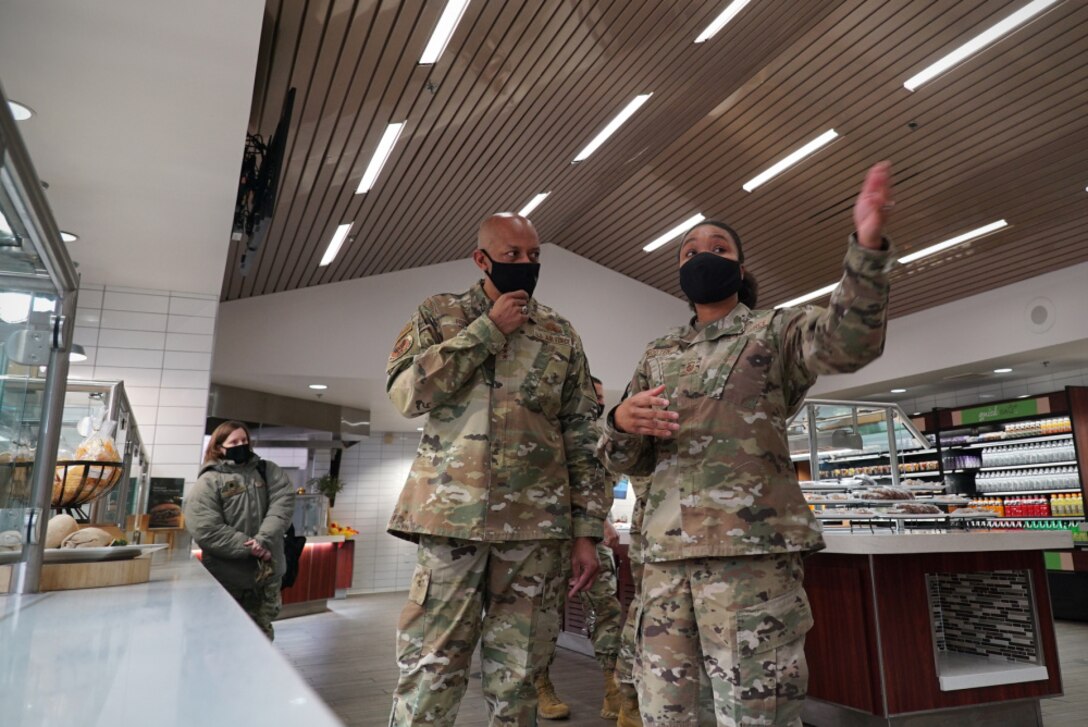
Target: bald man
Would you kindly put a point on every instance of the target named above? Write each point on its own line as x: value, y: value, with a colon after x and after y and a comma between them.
x: 505, y: 497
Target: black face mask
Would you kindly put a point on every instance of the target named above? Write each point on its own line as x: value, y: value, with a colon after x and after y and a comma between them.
x: 710, y: 278
x: 509, y: 277
x: 238, y: 454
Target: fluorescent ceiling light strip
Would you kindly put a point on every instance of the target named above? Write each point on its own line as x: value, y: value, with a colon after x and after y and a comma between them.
x: 617, y: 122
x: 20, y: 112
x: 808, y: 296
x: 958, y: 240
x: 675, y: 232
x: 978, y: 43
x: 335, y: 243
x: 722, y: 20
x: 810, y: 148
x: 385, y: 146
x: 533, y: 204
x: 443, y: 31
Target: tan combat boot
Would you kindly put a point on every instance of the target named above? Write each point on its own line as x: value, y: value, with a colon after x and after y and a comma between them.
x: 611, y: 707
x: 629, y: 714
x: 548, y: 704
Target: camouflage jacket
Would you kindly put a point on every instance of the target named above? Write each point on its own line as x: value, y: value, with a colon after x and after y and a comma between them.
x: 507, y: 452
x: 724, y: 485
x: 231, y: 503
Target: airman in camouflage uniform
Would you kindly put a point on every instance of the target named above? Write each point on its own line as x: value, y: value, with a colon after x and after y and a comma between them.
x: 726, y: 525
x: 505, y: 477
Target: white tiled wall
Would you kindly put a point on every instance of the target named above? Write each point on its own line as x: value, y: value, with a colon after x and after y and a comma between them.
x: 159, y: 343
x: 374, y: 472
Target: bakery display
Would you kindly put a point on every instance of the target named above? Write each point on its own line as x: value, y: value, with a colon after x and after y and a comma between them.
x: 887, y: 493
x: 88, y: 538
x: 95, y: 469
x: 60, y: 527
x: 11, y: 540
x: 916, y: 508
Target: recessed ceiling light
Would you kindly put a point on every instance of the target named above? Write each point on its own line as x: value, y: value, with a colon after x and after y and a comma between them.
x: 979, y: 42
x: 792, y: 158
x: 533, y: 204
x: 675, y: 232
x: 627, y: 112
x: 68, y: 236
x: 826, y: 290
x: 957, y: 240
x: 19, y: 111
x: 377, y: 161
x: 318, y: 387
x: 916, y: 414
x: 337, y: 240
x: 1002, y: 371
x: 419, y: 429
x: 1023, y: 396
x: 899, y: 391
x: 443, y: 31
x: 722, y: 20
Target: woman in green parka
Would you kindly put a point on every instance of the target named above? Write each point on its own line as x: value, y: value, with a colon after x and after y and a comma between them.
x: 238, y: 518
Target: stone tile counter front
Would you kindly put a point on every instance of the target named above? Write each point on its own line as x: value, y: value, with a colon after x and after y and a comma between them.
x: 929, y: 628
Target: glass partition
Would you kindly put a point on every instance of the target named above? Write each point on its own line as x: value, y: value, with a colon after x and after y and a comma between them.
x: 38, y: 285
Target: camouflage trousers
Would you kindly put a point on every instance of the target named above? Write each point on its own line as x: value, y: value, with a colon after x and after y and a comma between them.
x: 262, y: 603
x: 625, y: 663
x: 740, y: 621
x: 602, y: 607
x: 510, y: 594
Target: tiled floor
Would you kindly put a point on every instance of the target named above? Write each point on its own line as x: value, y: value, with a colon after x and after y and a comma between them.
x: 347, y: 655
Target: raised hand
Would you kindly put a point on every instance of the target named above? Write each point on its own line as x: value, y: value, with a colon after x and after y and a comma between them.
x: 510, y: 311
x: 873, y: 205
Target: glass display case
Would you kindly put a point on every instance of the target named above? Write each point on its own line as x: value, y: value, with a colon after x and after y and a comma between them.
x: 38, y: 286
x: 311, y: 511
x: 867, y: 463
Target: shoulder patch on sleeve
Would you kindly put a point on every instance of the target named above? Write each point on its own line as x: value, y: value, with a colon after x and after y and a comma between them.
x: 403, y: 344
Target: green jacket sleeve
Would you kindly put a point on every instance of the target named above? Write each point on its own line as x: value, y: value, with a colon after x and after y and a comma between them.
x: 591, y: 499
x: 424, y: 370
x: 204, y: 521
x: 281, y: 506
x: 628, y: 454
x: 846, y: 335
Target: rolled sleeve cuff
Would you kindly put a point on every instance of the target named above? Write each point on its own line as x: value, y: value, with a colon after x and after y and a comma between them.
x: 868, y: 262
x: 484, y: 330
x: 586, y: 527
x: 613, y: 441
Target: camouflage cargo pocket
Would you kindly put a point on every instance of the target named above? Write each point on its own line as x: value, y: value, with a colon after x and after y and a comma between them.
x: 730, y: 377
x: 542, y: 389
x: 412, y: 626
x: 771, y: 669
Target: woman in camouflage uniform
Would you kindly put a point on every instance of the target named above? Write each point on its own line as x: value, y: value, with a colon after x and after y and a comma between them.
x: 726, y: 525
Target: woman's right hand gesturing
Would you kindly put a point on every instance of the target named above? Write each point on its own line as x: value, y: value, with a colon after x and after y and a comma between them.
x: 645, y: 414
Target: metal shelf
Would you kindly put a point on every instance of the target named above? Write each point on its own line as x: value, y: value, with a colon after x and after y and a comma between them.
x: 879, y: 455
x: 1014, y: 467
x: 1003, y: 442
x: 1018, y: 493
x: 1060, y: 518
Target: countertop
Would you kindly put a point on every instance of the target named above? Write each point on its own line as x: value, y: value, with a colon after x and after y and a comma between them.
x: 174, y: 652
x: 887, y: 543
x: 325, y: 539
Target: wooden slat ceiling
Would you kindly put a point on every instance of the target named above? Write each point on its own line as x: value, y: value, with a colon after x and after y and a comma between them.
x: 523, y: 86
